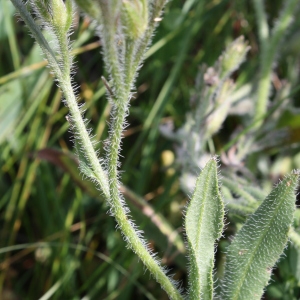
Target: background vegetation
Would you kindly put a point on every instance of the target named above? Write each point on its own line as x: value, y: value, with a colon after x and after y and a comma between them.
x: 57, y: 240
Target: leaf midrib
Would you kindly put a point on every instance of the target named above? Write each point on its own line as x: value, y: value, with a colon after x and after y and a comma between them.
x: 235, y: 295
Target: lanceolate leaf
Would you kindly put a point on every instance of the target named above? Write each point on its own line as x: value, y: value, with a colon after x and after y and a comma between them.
x: 259, y: 244
x: 204, y: 225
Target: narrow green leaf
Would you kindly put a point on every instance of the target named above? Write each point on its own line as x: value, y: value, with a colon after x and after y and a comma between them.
x: 36, y: 32
x: 204, y: 225
x: 259, y: 244
x: 237, y: 189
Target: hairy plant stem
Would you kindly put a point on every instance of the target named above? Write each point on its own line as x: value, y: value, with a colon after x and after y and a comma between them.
x: 129, y: 69
x: 140, y: 51
x: 118, y: 210
x: 83, y: 135
x: 111, y: 54
x: 126, y: 227
x: 122, y: 90
x: 133, y: 58
x: 63, y: 76
x: 81, y: 131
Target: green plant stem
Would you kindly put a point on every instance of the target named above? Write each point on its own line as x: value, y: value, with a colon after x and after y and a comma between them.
x: 28, y: 70
x: 118, y: 210
x: 269, y: 50
x: 83, y: 135
x: 140, y: 51
x: 135, y: 53
x: 133, y: 239
x: 65, y: 53
x: 156, y: 218
x: 129, y: 70
x: 122, y: 97
x: 63, y: 76
x: 262, y: 23
x: 77, y: 120
x: 111, y: 56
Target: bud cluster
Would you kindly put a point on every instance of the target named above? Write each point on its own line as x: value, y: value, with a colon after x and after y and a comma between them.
x: 135, y: 17
x: 57, y: 14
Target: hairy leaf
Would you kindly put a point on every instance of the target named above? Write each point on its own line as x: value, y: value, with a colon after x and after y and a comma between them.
x: 259, y: 244
x: 204, y: 225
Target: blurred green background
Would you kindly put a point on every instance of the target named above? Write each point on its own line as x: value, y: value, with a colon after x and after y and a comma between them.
x: 57, y: 239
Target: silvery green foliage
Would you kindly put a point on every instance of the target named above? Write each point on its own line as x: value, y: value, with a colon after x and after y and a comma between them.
x: 210, y: 105
x: 216, y: 98
x: 204, y: 226
x: 259, y: 244
x: 209, y: 108
x: 215, y: 90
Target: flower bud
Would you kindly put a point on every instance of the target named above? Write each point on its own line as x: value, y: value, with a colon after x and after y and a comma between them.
x: 62, y: 14
x: 135, y: 17
x: 233, y: 56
